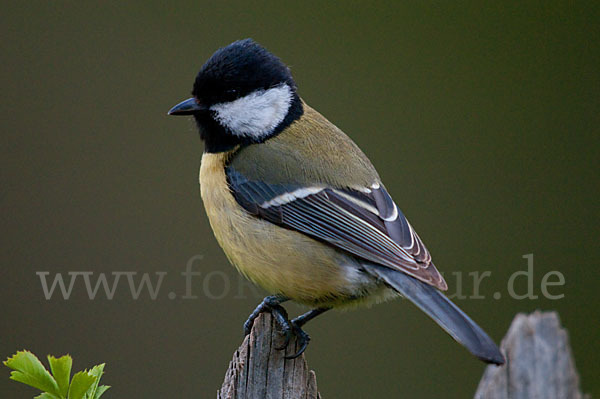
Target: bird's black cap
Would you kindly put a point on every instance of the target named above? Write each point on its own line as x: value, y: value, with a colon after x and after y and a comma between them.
x: 233, y: 72
x: 238, y: 69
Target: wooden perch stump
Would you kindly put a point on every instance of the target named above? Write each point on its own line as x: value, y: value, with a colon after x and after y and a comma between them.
x: 539, y: 365
x: 539, y: 362
x: 258, y: 370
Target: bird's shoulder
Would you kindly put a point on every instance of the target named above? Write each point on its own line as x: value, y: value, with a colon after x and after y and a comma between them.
x: 311, y: 151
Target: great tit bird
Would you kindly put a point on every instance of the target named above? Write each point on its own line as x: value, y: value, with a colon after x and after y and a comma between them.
x: 299, y: 209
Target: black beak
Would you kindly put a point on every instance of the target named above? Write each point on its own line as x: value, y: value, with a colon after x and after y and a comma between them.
x: 187, y: 107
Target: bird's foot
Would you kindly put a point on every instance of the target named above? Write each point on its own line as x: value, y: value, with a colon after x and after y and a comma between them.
x: 293, y: 328
x: 271, y: 304
x: 289, y: 328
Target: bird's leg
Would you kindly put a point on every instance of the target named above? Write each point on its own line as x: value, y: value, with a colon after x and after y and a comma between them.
x: 271, y: 304
x: 303, y: 338
x: 308, y: 316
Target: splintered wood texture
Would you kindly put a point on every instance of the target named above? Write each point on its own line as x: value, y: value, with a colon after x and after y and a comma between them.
x: 258, y: 369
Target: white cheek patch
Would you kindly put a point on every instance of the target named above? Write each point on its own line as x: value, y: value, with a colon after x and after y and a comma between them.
x: 256, y: 114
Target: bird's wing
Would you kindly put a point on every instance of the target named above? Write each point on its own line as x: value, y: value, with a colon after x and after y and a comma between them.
x: 363, y: 221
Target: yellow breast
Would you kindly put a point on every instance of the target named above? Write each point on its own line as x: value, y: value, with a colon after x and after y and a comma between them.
x: 281, y: 261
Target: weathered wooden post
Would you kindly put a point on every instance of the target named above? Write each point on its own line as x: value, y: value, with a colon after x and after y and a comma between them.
x: 539, y: 362
x: 258, y: 370
x: 539, y: 365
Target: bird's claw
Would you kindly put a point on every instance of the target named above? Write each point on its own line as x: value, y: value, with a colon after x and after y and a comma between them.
x: 277, y: 311
x: 302, y: 338
x: 289, y: 327
x: 269, y: 304
x: 248, y: 326
x: 286, y: 331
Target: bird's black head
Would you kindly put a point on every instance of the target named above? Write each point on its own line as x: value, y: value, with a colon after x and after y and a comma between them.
x: 242, y: 95
x: 237, y: 70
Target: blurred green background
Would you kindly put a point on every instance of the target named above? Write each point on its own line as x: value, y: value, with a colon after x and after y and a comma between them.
x: 482, y: 119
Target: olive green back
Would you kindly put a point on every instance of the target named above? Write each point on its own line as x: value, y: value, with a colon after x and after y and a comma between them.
x: 311, y: 151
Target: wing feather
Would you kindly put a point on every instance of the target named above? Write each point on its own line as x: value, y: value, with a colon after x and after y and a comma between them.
x: 366, y: 223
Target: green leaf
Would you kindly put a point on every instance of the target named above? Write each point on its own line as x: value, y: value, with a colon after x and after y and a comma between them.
x: 29, y: 370
x: 97, y: 372
x: 61, y: 370
x: 101, y: 389
x: 80, y: 383
x: 47, y: 395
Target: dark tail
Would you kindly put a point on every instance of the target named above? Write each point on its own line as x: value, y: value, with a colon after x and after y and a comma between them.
x: 442, y: 311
